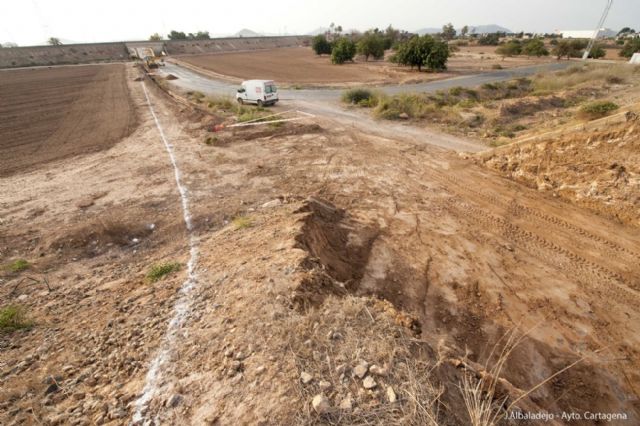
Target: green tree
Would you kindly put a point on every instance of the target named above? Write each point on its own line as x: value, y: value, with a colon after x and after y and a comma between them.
x: 464, y: 31
x: 320, y: 45
x: 569, y: 48
x: 630, y: 47
x: 421, y: 52
x: 391, y: 36
x: 626, y: 30
x: 371, y: 44
x: 155, y: 37
x: 535, y: 47
x: 344, y: 49
x: 510, y: 48
x: 54, y: 41
x: 448, y: 32
x: 492, y: 39
x: 597, y: 52
x: 177, y: 35
x: 200, y: 35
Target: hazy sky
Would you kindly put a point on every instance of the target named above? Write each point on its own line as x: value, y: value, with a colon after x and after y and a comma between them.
x: 33, y: 21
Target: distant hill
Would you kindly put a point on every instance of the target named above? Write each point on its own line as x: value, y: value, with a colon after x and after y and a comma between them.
x: 247, y: 33
x: 319, y: 30
x: 479, y: 29
x: 492, y: 28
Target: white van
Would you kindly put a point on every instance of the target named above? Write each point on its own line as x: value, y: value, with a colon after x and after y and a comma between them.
x: 259, y: 92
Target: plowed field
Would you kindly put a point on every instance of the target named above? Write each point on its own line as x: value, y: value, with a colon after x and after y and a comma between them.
x: 52, y: 113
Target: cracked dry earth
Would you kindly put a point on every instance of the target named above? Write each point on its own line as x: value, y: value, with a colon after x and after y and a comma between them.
x: 352, y: 247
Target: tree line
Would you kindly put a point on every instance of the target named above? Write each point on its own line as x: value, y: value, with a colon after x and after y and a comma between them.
x: 410, y: 50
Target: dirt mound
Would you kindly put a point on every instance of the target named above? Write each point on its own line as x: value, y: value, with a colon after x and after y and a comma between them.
x: 171, y: 77
x: 599, y: 169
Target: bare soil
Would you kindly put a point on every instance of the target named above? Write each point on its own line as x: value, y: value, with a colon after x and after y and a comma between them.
x: 603, y: 173
x: 52, y: 113
x: 354, y: 247
x: 302, y: 66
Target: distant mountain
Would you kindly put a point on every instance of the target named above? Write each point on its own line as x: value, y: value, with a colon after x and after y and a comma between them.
x: 319, y: 30
x: 247, y: 33
x: 429, y: 31
x: 479, y: 29
x: 485, y: 29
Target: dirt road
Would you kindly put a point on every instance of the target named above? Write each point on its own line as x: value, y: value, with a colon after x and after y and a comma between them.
x: 325, y: 102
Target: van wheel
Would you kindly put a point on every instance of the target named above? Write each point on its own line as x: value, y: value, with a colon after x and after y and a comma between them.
x: 260, y: 103
x: 240, y: 101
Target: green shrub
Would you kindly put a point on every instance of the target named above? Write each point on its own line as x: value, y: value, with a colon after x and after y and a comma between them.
x: 14, y: 317
x: 371, y: 44
x: 597, y: 52
x: 535, y: 47
x: 630, y: 47
x: 320, y: 45
x: 597, y: 109
x: 511, y: 48
x: 424, y: 51
x: 343, y: 50
x: 357, y: 96
x: 159, y: 271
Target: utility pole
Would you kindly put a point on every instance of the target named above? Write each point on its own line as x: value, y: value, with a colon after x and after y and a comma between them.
x: 597, y: 31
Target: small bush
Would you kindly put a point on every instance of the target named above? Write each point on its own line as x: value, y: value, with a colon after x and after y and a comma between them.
x: 597, y: 109
x: 211, y: 140
x: 496, y: 67
x: 242, y: 222
x: 614, y: 79
x: 18, y: 265
x: 159, y: 271
x: 14, y: 317
x: 360, y: 97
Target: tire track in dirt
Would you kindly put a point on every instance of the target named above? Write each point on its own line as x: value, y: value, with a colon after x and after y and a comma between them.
x: 590, y: 274
x: 182, y: 306
x: 570, y: 230
x: 611, y: 246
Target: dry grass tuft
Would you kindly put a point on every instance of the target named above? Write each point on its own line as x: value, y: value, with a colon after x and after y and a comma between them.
x: 14, y: 317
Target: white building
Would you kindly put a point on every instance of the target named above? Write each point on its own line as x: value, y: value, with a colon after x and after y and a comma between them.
x: 602, y: 33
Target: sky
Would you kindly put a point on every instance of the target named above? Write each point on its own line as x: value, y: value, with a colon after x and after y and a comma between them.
x: 31, y: 22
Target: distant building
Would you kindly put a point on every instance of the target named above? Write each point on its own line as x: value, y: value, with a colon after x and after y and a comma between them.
x: 602, y: 33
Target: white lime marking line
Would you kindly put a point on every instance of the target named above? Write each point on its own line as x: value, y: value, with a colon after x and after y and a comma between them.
x: 183, y: 304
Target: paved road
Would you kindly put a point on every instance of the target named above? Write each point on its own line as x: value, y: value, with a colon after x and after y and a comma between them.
x: 325, y: 102
x: 191, y: 80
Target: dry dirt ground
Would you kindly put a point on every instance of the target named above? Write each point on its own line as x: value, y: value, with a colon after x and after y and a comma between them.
x: 51, y: 113
x: 320, y: 247
x: 598, y: 169
x: 301, y: 66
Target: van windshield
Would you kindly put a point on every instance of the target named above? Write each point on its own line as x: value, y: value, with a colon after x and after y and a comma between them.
x: 271, y: 88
